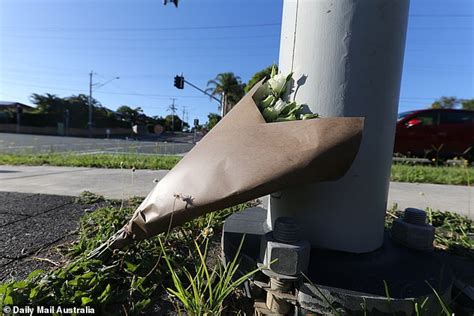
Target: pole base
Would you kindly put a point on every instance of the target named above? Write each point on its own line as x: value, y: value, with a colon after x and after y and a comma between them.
x: 389, y: 280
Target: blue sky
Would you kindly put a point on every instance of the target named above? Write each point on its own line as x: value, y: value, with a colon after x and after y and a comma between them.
x: 52, y: 45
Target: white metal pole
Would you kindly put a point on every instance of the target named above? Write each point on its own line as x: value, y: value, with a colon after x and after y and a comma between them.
x: 347, y: 57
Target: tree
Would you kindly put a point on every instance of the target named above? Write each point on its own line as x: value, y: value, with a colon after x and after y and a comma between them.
x: 468, y: 104
x: 130, y: 114
x: 212, y: 120
x: 228, y: 83
x: 265, y: 73
x: 167, y: 122
x: 445, y: 103
x: 46, y: 103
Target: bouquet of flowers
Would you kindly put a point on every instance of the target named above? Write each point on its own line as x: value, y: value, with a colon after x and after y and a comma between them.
x: 269, y: 98
x: 245, y: 157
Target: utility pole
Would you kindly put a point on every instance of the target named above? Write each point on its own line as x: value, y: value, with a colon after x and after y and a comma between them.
x: 358, y: 75
x: 91, y: 86
x: 182, y: 119
x: 89, y: 124
x: 19, y: 111
x: 173, y: 109
x: 66, y: 121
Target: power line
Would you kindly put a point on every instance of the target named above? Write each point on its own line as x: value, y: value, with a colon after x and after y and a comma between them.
x: 101, y: 92
x: 171, y: 28
x: 174, y: 39
x: 208, y: 27
x: 440, y: 15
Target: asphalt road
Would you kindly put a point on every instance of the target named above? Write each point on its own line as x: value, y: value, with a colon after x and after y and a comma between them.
x: 30, y: 226
x: 119, y: 184
x: 164, y: 145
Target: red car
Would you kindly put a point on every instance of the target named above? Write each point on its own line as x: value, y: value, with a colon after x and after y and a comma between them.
x: 435, y: 133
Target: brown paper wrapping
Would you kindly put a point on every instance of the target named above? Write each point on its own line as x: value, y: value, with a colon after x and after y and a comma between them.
x: 243, y: 158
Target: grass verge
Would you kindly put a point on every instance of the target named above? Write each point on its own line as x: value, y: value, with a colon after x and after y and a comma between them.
x: 133, y: 282
x: 457, y: 175
x: 92, y: 160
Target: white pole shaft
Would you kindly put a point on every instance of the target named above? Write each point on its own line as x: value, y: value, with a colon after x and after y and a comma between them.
x: 347, y: 57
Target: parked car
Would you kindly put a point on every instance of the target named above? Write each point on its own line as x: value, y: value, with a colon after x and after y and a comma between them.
x: 435, y: 133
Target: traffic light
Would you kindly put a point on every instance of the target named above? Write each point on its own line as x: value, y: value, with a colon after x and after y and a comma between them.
x: 179, y: 82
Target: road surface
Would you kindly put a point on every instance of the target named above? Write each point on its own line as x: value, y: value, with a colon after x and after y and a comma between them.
x: 29, y: 144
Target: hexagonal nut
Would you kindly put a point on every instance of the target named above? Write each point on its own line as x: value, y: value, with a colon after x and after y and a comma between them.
x: 419, y: 237
x: 290, y: 259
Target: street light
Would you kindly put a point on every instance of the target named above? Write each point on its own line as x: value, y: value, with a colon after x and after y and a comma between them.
x: 94, y: 86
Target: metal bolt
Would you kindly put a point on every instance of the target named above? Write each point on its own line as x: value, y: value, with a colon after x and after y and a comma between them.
x: 414, y: 216
x: 413, y: 231
x: 276, y: 304
x: 286, y: 230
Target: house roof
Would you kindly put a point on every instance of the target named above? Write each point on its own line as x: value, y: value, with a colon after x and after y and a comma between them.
x: 13, y: 105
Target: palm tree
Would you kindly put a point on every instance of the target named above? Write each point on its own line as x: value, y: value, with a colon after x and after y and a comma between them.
x: 45, y: 103
x: 229, y: 86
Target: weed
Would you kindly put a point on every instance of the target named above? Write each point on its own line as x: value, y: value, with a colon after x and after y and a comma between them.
x: 87, y: 198
x: 203, y: 292
x: 124, y: 284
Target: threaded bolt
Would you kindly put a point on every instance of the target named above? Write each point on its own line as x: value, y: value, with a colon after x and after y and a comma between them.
x: 286, y: 230
x: 414, y: 216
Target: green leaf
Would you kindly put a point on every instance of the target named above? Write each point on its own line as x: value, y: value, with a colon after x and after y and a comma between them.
x: 8, y: 300
x: 86, y: 300
x: 88, y: 275
x: 291, y: 117
x: 267, y: 102
x: 105, y: 294
x: 309, y: 116
x: 141, y: 305
x: 274, y: 71
x: 34, y: 274
x: 270, y: 114
x: 131, y: 267
x: 20, y: 284
x: 33, y: 293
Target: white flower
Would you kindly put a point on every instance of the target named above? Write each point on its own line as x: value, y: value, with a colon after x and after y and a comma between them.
x: 278, y: 84
x: 280, y: 105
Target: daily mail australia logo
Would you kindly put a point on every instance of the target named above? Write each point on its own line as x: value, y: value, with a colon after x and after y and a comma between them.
x: 29, y: 310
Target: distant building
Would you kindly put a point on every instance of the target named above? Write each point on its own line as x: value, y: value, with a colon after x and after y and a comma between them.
x: 6, y: 105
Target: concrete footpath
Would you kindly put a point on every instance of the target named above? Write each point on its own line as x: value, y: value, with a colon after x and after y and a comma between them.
x: 119, y: 184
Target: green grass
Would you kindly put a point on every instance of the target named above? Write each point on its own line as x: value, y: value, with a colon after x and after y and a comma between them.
x: 458, y: 175
x: 92, y: 160
x: 453, y: 231
x: 132, y: 282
